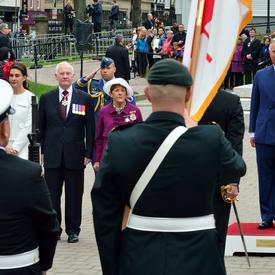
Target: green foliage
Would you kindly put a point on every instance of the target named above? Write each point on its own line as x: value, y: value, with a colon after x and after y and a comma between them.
x: 41, y: 88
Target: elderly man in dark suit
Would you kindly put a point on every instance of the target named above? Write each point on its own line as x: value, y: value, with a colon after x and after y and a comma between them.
x: 28, y: 223
x: 226, y: 110
x: 119, y: 53
x: 66, y: 123
x: 172, y: 197
x: 262, y: 133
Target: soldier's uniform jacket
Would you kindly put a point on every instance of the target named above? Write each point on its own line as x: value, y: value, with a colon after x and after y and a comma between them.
x: 183, y: 186
x: 27, y: 219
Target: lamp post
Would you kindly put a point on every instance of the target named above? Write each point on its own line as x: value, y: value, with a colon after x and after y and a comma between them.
x: 268, y: 17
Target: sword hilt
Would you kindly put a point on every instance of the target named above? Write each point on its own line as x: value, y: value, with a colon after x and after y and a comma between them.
x: 224, y: 190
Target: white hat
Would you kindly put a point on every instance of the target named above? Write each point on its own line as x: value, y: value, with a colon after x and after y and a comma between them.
x: 120, y: 81
x: 6, y: 94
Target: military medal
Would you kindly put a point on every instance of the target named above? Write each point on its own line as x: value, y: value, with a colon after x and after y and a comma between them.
x: 83, y: 110
x: 133, y: 116
x: 64, y: 102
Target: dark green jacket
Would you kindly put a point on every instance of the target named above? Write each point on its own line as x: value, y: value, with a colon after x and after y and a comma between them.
x: 183, y: 186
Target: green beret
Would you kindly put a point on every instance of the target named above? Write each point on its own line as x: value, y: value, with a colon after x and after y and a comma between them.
x: 169, y: 71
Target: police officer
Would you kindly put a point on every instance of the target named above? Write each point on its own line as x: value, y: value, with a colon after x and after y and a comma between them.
x: 171, y: 229
x: 94, y: 87
x: 28, y: 223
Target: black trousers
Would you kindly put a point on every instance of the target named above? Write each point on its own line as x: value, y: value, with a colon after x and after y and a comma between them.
x: 28, y: 270
x: 142, y: 63
x: 150, y: 60
x: 249, y: 75
x: 221, y: 214
x: 69, y: 24
x: 74, y: 187
x: 97, y: 27
x: 238, y: 79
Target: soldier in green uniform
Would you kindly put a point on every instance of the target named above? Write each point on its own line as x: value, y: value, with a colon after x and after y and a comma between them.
x: 171, y: 228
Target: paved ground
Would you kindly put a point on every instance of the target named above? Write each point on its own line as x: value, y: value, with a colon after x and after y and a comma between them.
x: 82, y: 258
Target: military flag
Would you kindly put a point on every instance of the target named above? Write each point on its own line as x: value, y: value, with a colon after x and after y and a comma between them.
x: 213, y: 30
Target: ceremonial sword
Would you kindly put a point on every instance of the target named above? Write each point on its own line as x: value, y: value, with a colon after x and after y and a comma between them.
x: 232, y: 201
x: 241, y: 232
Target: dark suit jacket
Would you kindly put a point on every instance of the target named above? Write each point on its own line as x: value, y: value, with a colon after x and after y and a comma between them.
x: 226, y: 110
x: 253, y: 48
x: 121, y: 58
x: 71, y: 140
x: 27, y: 219
x: 262, y: 108
x: 183, y: 186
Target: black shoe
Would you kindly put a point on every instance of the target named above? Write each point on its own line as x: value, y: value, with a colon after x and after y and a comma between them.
x: 73, y: 238
x: 265, y: 225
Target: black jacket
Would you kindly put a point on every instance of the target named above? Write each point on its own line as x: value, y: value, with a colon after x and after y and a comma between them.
x: 226, y: 110
x: 183, y: 186
x: 27, y: 219
x: 253, y: 48
x: 71, y: 140
x: 179, y: 36
x: 114, y: 13
x: 120, y: 56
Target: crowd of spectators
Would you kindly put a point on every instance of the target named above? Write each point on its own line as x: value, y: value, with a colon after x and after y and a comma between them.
x: 153, y: 41
x: 250, y: 55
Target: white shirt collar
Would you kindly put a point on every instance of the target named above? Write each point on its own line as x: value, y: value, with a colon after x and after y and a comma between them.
x: 2, y: 148
x: 61, y: 90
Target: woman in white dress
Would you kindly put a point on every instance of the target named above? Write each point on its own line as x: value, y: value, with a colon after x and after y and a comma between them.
x: 21, y: 121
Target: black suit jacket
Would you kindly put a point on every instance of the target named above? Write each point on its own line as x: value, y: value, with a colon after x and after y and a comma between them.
x: 121, y: 58
x: 253, y: 48
x: 27, y: 219
x: 66, y: 141
x: 226, y: 110
x: 183, y: 186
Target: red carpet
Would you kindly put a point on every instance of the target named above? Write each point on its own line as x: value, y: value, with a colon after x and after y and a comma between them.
x: 250, y: 229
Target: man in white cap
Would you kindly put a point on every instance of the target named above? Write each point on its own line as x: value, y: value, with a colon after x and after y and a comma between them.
x: 28, y: 223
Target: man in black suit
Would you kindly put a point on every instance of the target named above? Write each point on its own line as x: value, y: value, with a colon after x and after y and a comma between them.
x: 180, y: 36
x: 149, y: 22
x: 251, y: 52
x: 172, y: 207
x: 119, y: 53
x: 226, y: 110
x: 66, y: 123
x: 28, y: 223
x: 5, y: 38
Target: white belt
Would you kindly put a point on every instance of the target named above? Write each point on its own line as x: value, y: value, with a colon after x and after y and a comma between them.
x: 171, y: 224
x: 19, y: 260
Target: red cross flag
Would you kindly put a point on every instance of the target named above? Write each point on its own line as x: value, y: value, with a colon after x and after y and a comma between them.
x: 213, y: 30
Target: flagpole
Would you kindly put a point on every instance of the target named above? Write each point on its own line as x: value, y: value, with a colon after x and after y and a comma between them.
x: 196, y: 45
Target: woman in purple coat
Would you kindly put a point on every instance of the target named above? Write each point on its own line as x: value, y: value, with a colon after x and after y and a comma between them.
x: 237, y: 64
x: 116, y: 113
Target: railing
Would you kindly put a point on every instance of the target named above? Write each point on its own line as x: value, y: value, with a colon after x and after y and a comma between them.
x: 52, y: 46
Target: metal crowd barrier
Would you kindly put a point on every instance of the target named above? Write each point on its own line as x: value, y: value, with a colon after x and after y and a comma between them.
x: 53, y: 46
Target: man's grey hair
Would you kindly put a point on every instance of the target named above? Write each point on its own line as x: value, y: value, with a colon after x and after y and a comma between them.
x: 3, y: 26
x: 118, y: 38
x: 63, y: 63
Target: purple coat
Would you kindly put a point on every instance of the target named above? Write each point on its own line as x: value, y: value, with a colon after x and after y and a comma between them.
x: 237, y: 61
x: 108, y: 119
